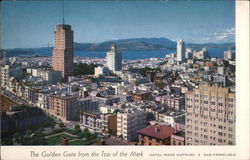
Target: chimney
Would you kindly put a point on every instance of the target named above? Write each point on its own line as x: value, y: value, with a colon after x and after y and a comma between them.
x: 157, y: 129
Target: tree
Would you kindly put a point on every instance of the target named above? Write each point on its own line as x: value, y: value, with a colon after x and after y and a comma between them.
x: 77, y: 126
x: 86, y: 134
x: 28, y: 132
x: 226, y: 63
x: 61, y: 125
x: 84, y: 69
x: 16, y: 135
x: 94, y: 136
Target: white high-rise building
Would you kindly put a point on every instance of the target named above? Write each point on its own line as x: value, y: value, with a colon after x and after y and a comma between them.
x: 114, y: 59
x: 180, y: 50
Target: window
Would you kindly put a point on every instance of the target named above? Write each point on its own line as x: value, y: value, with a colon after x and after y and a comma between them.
x: 230, y: 129
x: 157, y: 141
x: 150, y: 143
x: 174, y: 142
x: 189, y: 126
x: 230, y: 136
x: 220, y: 140
x: 150, y: 138
x: 180, y: 143
x: 189, y: 138
x: 230, y: 122
x: 220, y: 133
x: 230, y: 99
x: 189, y: 132
x: 212, y: 103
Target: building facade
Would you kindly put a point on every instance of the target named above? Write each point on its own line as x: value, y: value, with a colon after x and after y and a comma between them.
x: 210, y: 116
x: 114, y: 59
x: 202, y: 54
x: 129, y: 122
x: 63, y: 106
x: 63, y: 52
x: 8, y: 71
x: 104, y: 71
x: 180, y: 50
x: 229, y: 55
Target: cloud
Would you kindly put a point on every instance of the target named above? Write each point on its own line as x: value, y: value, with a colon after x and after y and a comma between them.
x: 227, y: 35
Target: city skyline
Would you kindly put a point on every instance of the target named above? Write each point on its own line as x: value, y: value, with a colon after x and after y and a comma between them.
x: 86, y: 18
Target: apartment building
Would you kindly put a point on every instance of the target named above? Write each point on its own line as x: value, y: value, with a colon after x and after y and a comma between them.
x: 63, y: 106
x: 129, y: 122
x: 210, y: 116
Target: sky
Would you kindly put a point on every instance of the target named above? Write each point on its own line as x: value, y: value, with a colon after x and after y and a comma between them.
x: 31, y: 24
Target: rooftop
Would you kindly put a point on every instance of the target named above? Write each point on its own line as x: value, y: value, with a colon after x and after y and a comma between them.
x: 157, y: 131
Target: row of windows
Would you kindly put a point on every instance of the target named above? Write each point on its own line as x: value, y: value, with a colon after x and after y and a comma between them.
x: 206, y: 130
x: 205, y: 142
x: 214, y: 97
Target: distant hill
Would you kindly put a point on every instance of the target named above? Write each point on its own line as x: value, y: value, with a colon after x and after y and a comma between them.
x: 131, y: 44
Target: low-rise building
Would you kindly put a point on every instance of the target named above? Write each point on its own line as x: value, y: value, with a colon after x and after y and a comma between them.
x: 203, y: 54
x: 63, y: 106
x: 103, y: 71
x: 21, y: 119
x: 156, y: 135
x: 139, y: 95
x: 87, y: 104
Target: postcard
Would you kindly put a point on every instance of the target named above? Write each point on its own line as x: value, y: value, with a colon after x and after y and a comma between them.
x: 124, y: 80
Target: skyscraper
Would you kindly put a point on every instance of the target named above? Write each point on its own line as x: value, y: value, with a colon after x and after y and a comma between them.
x: 180, y: 50
x: 210, y: 116
x: 114, y: 59
x: 63, y: 52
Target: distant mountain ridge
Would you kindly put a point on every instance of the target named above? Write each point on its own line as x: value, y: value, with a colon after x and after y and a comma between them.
x: 131, y: 44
